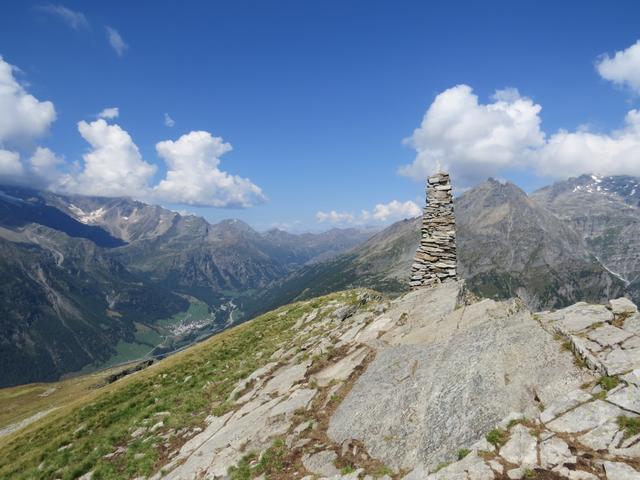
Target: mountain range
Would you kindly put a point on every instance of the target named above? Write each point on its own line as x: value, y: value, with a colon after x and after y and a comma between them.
x: 91, y: 281
x: 572, y: 241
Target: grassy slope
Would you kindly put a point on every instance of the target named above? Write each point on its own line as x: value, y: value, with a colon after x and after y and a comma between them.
x: 190, y: 385
x: 21, y: 402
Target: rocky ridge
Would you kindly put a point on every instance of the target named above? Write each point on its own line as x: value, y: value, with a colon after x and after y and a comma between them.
x: 398, y: 389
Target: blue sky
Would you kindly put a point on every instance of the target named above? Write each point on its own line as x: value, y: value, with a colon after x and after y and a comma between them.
x: 317, y: 97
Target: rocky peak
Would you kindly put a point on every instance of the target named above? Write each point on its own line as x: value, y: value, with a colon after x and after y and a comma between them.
x: 493, y: 200
x: 623, y: 187
x: 500, y: 189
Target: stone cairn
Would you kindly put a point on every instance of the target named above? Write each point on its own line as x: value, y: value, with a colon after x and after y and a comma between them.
x: 435, y: 260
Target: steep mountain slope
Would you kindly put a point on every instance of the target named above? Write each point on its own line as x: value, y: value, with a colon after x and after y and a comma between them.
x: 65, y: 304
x: 508, y: 246
x: 214, y: 263
x: 88, y: 279
x: 352, y: 385
x: 381, y: 263
x: 605, y: 212
x: 126, y: 219
x: 20, y: 207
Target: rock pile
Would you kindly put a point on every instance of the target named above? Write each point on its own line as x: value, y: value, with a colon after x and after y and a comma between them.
x: 435, y: 260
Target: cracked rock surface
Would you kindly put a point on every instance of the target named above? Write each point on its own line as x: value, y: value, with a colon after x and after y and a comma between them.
x: 427, y: 387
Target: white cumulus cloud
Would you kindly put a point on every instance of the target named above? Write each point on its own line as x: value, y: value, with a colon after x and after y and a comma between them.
x: 623, y: 68
x: 194, y: 177
x: 116, y: 41
x: 471, y: 139
x: 168, y: 121
x: 113, y: 166
x: 109, y: 113
x: 395, y: 210
x: 381, y: 213
x: 335, y: 217
x: 73, y: 19
x: 45, y: 166
x: 568, y: 154
x: 11, y: 168
x: 23, y: 118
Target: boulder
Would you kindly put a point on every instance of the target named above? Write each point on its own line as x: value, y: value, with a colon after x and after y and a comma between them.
x: 622, y: 306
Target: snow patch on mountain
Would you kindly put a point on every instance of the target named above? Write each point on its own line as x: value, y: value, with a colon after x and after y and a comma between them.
x: 87, y: 218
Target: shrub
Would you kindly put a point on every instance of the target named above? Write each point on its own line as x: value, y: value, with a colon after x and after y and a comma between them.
x: 497, y: 437
x: 463, y: 452
x: 347, y: 470
x: 608, y: 383
x: 630, y: 426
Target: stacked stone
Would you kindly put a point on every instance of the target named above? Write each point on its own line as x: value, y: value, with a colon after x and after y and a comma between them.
x: 435, y: 260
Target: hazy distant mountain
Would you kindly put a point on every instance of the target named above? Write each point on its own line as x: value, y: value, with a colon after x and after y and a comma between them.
x: 508, y: 245
x: 381, y: 263
x: 81, y: 274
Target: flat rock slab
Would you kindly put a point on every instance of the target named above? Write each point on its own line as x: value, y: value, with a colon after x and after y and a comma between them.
x: 619, y: 361
x: 343, y: 369
x: 520, y: 449
x: 419, y: 404
x: 222, y: 444
x: 631, y: 343
x: 632, y: 324
x: 321, y: 463
x: 627, y: 398
x: 585, y: 417
x: 371, y: 332
x: 600, y: 437
x: 563, y: 404
x: 608, y: 335
x: 299, y: 399
x: 577, y: 317
x: 555, y: 451
x: 285, y: 378
x: 471, y: 467
x: 575, y: 474
x: 632, y: 377
x: 439, y: 328
x: 629, y: 452
x: 421, y: 307
x: 350, y: 334
x: 620, y: 471
x: 214, y: 454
